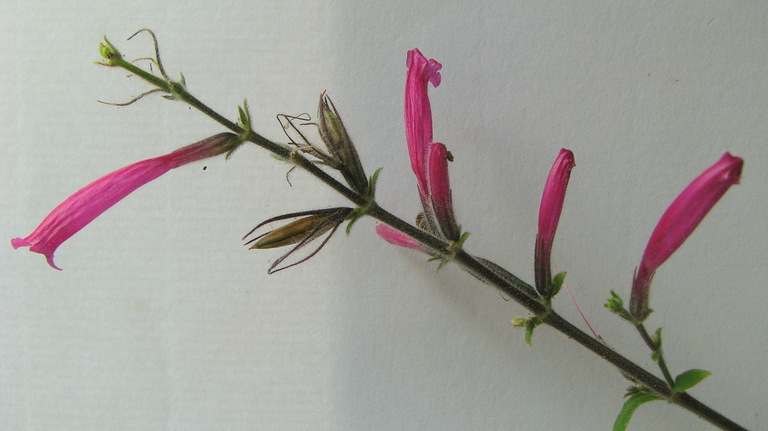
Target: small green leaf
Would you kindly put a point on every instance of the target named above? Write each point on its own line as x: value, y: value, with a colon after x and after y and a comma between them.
x: 442, y: 264
x: 460, y: 243
x: 635, y: 401
x: 557, y: 283
x: 689, y: 379
x: 529, y: 334
x: 371, y: 190
x: 245, y: 116
x: 656, y: 338
x: 614, y: 303
x: 354, y: 216
x: 530, y: 325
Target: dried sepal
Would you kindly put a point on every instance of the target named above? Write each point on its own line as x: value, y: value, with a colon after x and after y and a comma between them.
x: 291, y: 124
x: 337, y: 140
x: 307, y: 227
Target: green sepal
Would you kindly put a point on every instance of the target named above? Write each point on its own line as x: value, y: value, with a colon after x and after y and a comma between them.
x: 656, y: 338
x: 457, y: 245
x: 370, y: 191
x: 440, y: 265
x: 689, y: 379
x: 454, y: 247
x: 109, y: 53
x: 529, y: 324
x: 441, y: 258
x: 557, y: 283
x: 616, y: 305
x: 635, y: 400
x: 354, y: 216
x: 529, y: 332
x: 245, y: 122
x: 358, y: 212
x: 245, y: 115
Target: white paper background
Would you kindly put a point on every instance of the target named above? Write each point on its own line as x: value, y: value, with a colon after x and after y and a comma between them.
x: 162, y: 320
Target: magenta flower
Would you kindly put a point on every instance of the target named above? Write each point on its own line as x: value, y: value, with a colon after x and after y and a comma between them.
x: 89, y: 202
x: 549, y: 215
x: 429, y: 160
x: 679, y: 221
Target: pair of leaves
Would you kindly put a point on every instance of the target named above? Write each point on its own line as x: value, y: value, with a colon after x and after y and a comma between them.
x: 638, y: 397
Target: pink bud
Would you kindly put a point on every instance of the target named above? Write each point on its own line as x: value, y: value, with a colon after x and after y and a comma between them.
x: 549, y: 215
x: 89, y: 202
x: 394, y: 236
x: 440, y: 192
x: 679, y: 221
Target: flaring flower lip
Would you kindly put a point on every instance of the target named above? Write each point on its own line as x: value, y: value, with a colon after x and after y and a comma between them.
x: 429, y: 160
x: 679, y: 221
x: 418, y: 111
x: 92, y: 200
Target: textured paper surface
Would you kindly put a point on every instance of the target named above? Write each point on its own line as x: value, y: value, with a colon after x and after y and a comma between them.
x: 162, y: 320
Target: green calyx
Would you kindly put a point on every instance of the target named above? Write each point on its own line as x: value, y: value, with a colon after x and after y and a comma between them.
x: 529, y: 324
x: 616, y: 305
x: 369, y: 193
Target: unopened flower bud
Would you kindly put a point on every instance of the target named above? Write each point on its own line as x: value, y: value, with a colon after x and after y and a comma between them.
x: 678, y: 222
x: 109, y: 53
x: 549, y: 215
x: 339, y: 144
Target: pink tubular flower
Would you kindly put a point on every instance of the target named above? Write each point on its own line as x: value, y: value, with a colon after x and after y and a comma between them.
x: 89, y: 202
x: 679, y: 221
x: 429, y: 160
x: 418, y: 112
x: 549, y: 215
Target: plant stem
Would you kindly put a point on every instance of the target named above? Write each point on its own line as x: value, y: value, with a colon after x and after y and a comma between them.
x: 659, y: 353
x: 508, y: 284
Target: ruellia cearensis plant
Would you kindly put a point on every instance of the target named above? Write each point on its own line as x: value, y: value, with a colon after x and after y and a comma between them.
x: 323, y: 147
